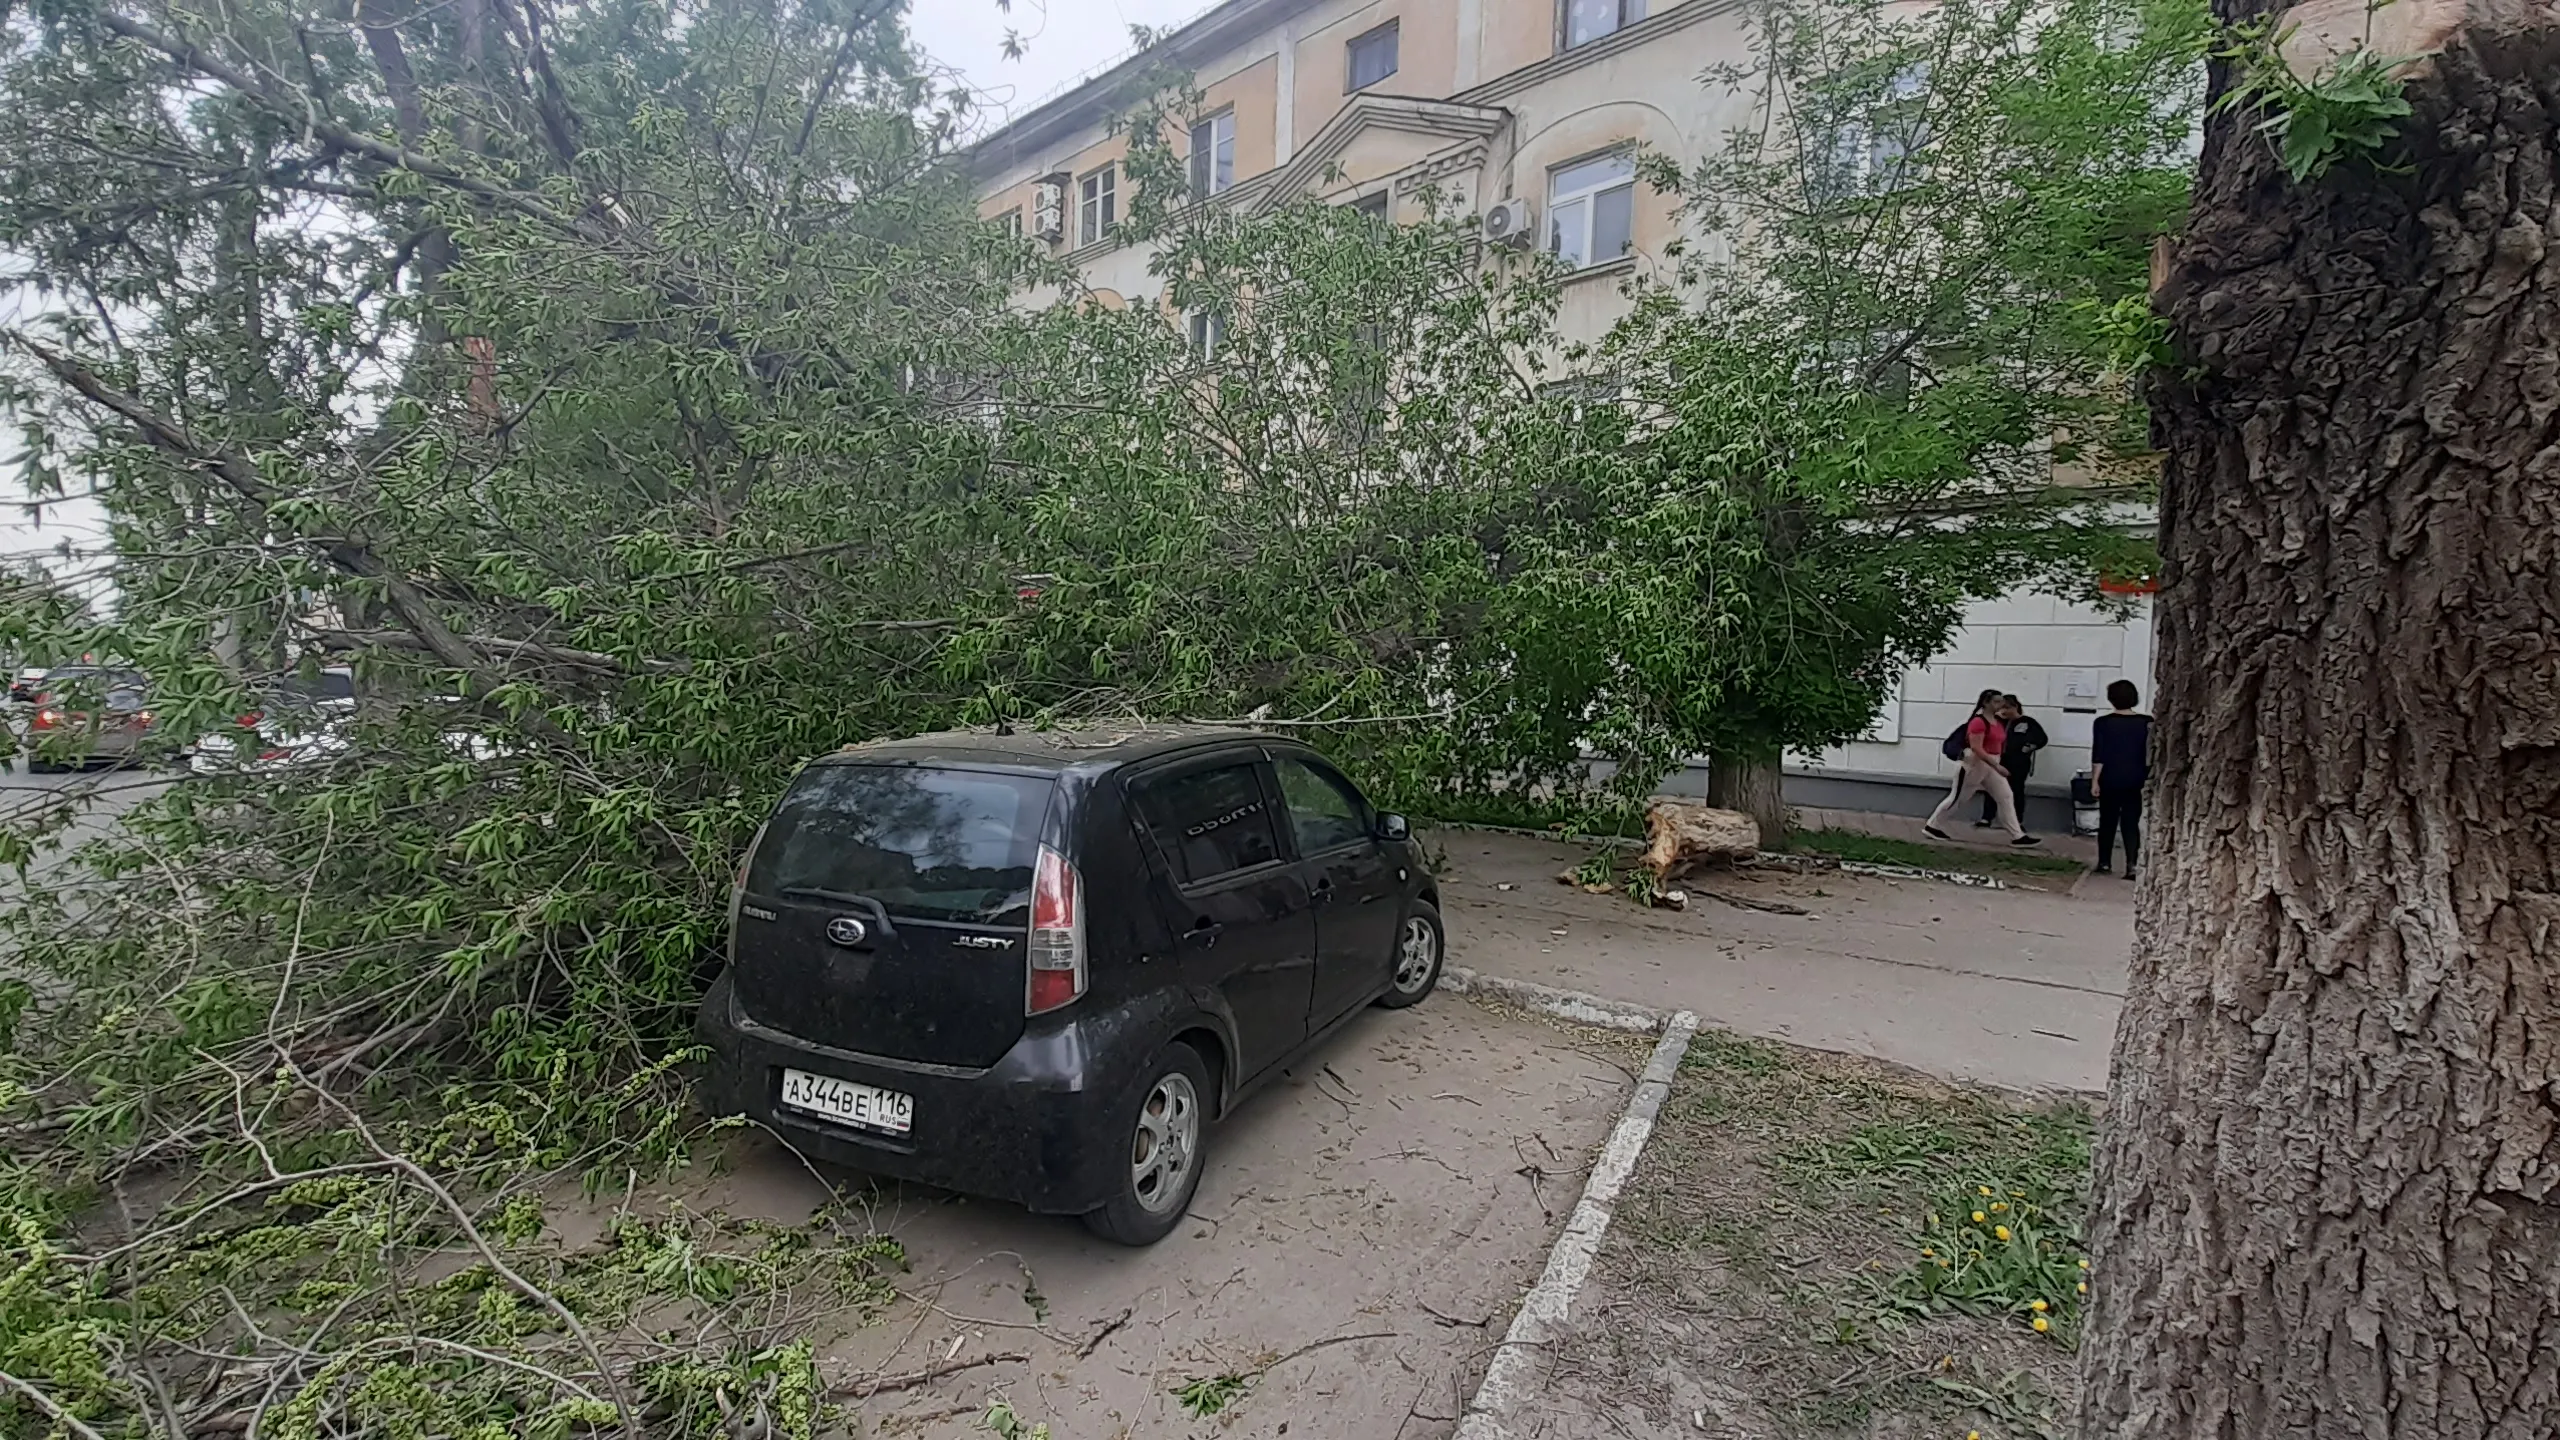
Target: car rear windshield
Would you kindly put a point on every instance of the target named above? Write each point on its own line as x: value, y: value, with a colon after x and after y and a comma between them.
x: 932, y: 844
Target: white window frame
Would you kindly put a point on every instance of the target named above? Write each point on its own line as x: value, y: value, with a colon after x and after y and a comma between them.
x: 1628, y: 13
x: 1589, y: 197
x: 1220, y: 145
x: 1097, y: 204
x: 1011, y: 223
x: 1351, y: 81
x: 1208, y: 334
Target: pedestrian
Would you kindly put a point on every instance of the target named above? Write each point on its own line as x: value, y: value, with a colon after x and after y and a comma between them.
x: 2119, y: 763
x: 2026, y: 737
x: 1984, y: 737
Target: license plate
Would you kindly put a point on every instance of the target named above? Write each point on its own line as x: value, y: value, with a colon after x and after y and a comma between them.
x: 867, y: 1106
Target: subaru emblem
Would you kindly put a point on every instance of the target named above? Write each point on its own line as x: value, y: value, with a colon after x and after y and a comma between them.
x: 846, y: 930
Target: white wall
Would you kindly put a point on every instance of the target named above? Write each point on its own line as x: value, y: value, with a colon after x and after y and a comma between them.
x: 2033, y: 646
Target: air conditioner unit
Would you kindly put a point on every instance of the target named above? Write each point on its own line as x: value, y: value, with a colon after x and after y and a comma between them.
x: 1049, y: 207
x: 1508, y: 224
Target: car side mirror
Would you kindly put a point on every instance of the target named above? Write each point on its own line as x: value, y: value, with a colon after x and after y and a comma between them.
x: 1395, y: 827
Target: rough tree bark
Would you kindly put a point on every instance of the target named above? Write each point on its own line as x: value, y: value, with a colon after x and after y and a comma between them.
x: 1752, y: 782
x: 2328, y: 1187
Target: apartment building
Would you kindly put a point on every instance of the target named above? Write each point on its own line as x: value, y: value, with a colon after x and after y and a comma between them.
x: 1528, y: 114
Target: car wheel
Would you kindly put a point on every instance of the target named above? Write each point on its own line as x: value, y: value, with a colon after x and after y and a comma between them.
x: 1162, y: 1147
x: 1420, y: 947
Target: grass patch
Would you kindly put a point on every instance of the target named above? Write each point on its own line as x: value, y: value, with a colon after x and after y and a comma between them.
x: 1800, y: 1241
x: 1886, y: 850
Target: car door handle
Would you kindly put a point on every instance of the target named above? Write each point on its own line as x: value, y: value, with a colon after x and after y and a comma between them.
x: 1204, y: 933
x: 1323, y: 890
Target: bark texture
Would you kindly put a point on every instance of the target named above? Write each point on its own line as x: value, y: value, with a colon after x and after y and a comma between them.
x: 1683, y: 836
x: 2328, y: 1186
x: 1754, y: 784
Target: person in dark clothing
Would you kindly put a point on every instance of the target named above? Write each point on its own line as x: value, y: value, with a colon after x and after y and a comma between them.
x: 2119, y: 763
x: 2026, y: 737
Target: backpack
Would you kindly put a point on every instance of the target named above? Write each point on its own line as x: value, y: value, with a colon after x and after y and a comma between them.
x: 1954, y: 748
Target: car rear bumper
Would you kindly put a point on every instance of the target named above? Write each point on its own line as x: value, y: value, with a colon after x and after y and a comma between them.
x: 1030, y: 1129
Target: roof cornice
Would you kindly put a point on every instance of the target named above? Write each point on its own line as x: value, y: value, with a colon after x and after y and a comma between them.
x: 1222, y: 29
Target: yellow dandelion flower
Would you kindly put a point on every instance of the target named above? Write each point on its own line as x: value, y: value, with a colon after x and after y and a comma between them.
x: 1973, y: 1435
x: 2017, y: 1194
x: 1979, y: 1217
x: 1985, y: 1189
x: 2084, y: 1264
x: 2084, y: 1287
x: 1928, y: 1254
x: 2038, y: 1306
x: 2042, y: 1324
x: 2002, y: 1231
x: 1999, y: 1205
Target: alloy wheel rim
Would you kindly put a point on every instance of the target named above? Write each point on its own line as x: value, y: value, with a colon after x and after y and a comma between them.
x: 1167, y: 1144
x: 1415, y: 954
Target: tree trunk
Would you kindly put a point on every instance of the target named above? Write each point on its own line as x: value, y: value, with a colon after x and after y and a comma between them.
x: 2328, y: 1185
x: 1750, y: 781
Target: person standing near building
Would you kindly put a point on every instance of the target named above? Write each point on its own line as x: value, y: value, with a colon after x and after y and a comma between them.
x: 2119, y: 763
x: 2018, y: 757
x: 1984, y: 738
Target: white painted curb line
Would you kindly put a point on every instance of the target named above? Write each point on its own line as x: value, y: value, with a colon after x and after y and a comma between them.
x: 1511, y: 1382
x: 1571, y: 1005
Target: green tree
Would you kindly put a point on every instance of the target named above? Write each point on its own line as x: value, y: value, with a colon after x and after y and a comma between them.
x: 1890, y: 379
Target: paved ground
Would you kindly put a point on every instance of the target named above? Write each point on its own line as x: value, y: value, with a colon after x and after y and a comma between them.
x: 2016, y: 988
x: 1406, y: 1187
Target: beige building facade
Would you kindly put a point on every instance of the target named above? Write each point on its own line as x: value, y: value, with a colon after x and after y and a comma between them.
x: 1527, y: 114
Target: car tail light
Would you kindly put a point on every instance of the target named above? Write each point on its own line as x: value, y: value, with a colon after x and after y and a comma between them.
x: 47, y: 718
x: 248, y: 720
x: 1057, y: 934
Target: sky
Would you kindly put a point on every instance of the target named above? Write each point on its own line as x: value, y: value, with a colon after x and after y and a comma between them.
x: 1062, y: 42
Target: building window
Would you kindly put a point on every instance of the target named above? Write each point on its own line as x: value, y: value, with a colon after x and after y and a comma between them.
x: 1880, y: 147
x: 1373, y: 206
x: 1373, y: 57
x: 1208, y: 334
x: 1010, y: 222
x: 1591, y: 210
x: 1588, y: 20
x: 1097, y: 206
x: 1213, y: 155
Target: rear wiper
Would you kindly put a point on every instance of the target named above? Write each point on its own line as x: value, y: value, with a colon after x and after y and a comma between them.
x: 813, y: 892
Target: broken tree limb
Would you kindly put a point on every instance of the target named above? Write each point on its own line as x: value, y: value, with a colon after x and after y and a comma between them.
x: 496, y: 645
x: 912, y: 1379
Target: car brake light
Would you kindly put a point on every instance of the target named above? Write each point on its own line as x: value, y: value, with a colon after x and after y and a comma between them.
x: 1057, y: 957
x: 47, y: 719
x: 249, y: 720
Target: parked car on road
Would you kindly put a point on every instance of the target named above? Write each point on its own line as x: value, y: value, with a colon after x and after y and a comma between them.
x: 1040, y: 967
x: 83, y: 715
x: 297, y: 722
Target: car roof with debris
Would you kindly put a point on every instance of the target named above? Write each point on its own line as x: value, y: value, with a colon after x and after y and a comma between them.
x: 1087, y: 747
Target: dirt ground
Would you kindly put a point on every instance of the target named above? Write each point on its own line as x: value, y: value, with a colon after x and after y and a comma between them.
x: 1762, y: 1277
x: 1360, y: 1239
x: 2015, y: 988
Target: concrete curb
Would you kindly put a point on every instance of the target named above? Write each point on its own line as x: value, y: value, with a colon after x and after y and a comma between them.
x: 1571, y: 1005
x: 1774, y: 859
x: 1510, y: 1385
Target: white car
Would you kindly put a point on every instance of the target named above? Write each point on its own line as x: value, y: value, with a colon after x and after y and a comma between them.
x: 307, y: 724
x: 301, y: 724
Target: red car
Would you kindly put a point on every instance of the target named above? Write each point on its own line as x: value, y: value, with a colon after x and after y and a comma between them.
x: 84, y: 715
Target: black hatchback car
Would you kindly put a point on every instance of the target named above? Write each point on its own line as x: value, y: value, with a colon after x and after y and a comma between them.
x: 1038, y: 967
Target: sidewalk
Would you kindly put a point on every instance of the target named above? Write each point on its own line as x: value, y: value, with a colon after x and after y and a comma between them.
x: 2017, y: 988
x: 1961, y: 832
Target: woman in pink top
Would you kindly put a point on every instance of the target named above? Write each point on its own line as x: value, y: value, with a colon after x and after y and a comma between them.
x: 1983, y: 774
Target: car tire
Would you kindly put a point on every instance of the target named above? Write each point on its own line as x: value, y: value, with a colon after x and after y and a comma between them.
x: 1422, y: 948
x: 42, y: 767
x: 1164, y: 1137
